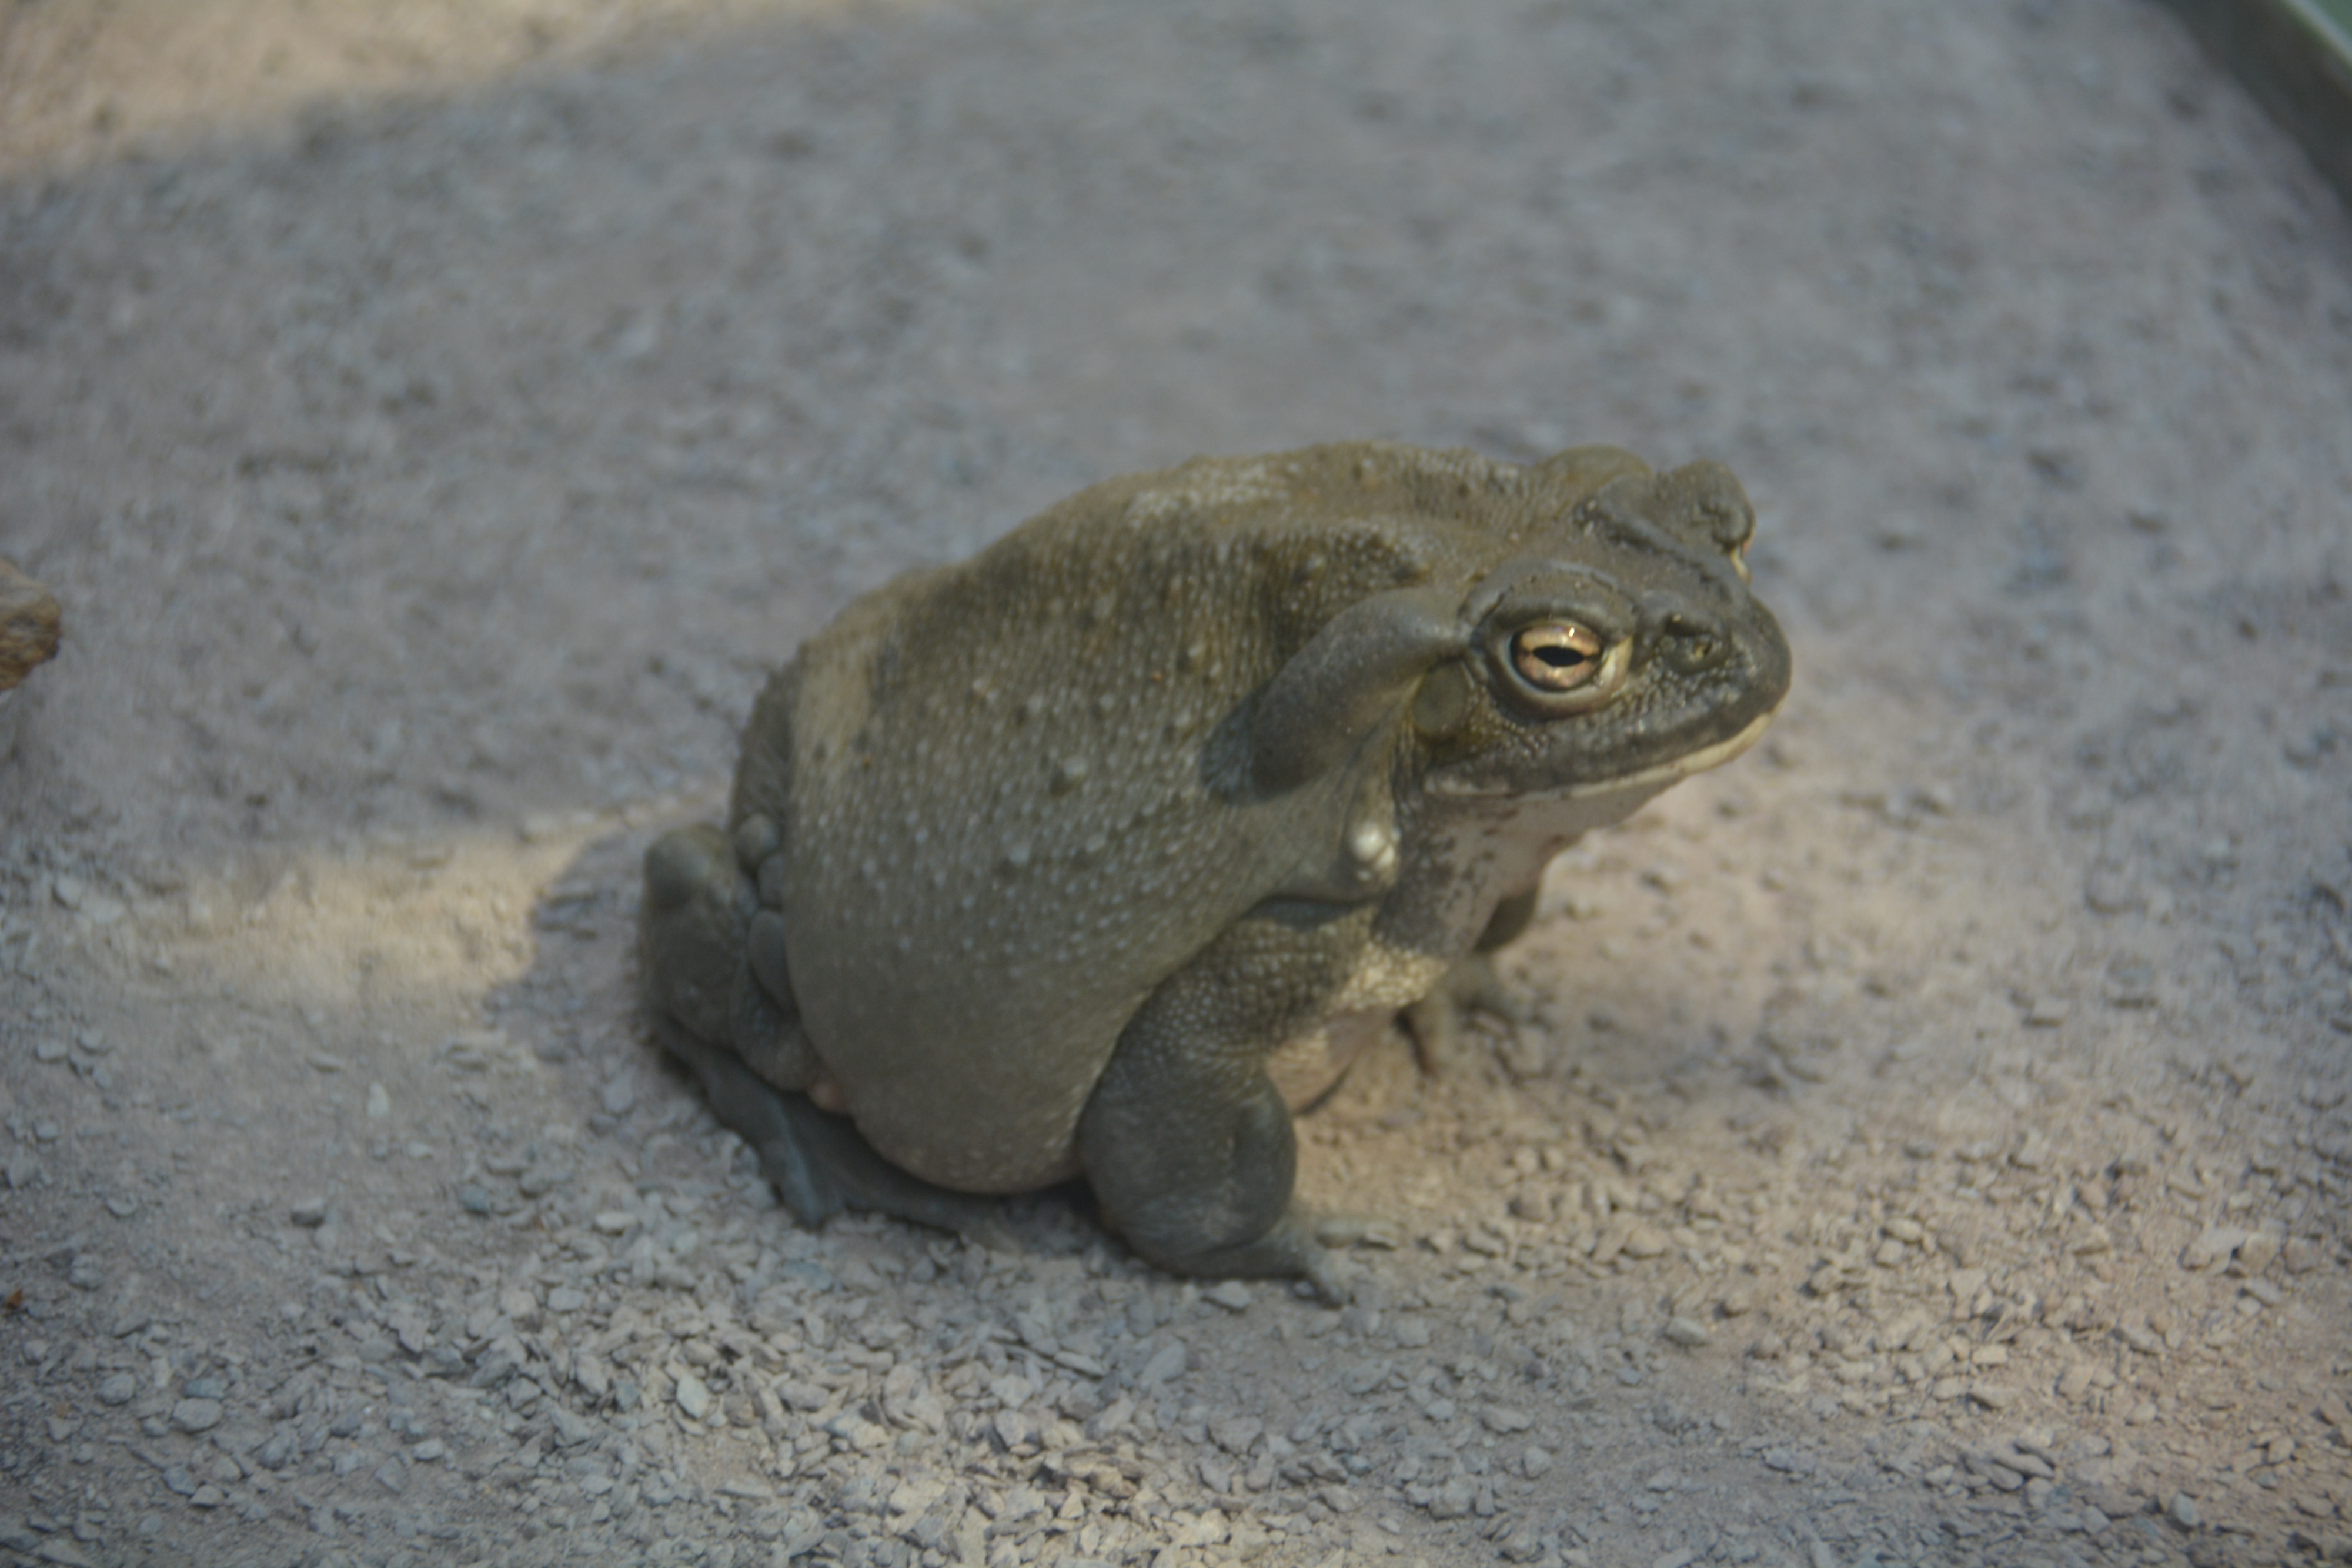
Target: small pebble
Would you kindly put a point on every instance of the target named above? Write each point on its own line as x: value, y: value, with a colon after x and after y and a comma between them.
x: 193, y: 1415
x: 474, y: 1199
x: 2183, y: 1511
x: 693, y: 1397
x: 1688, y: 1332
x: 1646, y: 1241
x: 48, y: 1050
x: 118, y: 1388
x: 1233, y: 1295
x: 378, y: 1102
x: 1169, y: 1362
x: 309, y: 1213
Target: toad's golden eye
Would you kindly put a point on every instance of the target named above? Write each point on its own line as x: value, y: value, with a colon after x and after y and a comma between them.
x: 1558, y: 656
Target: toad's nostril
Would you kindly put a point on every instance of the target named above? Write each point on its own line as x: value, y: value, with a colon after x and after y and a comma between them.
x: 1692, y: 643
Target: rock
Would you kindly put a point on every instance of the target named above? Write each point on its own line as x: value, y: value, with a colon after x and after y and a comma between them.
x: 1453, y: 1499
x: 2257, y: 1251
x: 1502, y: 1418
x: 2182, y: 1511
x: 30, y: 625
x: 1646, y: 1241
x: 1521, y: 1545
x: 193, y: 1415
x: 1111, y: 1419
x: 1233, y: 1295
x: 693, y: 1396
x: 118, y: 1388
x: 1535, y: 1462
x: 2213, y: 1245
x: 309, y: 1213
x: 1168, y: 1364
x: 1235, y: 1433
x: 1688, y: 1332
x: 541, y: 1180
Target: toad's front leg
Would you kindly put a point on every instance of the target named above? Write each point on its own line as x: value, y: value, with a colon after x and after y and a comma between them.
x: 1185, y: 1139
x: 1438, y: 1021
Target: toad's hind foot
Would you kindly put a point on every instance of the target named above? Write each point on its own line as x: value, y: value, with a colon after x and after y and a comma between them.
x: 819, y: 1163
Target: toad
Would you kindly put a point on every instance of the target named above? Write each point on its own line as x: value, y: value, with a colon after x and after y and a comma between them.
x: 1103, y: 852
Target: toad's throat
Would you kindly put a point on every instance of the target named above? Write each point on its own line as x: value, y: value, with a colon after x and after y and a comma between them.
x: 1646, y: 782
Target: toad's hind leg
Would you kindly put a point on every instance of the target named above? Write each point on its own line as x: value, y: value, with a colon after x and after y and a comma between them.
x: 715, y: 988
x: 1185, y: 1139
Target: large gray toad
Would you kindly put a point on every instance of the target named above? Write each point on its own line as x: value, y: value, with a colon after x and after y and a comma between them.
x: 1101, y: 852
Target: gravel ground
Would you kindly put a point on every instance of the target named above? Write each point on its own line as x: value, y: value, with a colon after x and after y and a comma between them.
x: 1933, y: 1144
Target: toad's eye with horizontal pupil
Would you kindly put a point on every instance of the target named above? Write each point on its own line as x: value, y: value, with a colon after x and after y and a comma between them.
x: 1558, y: 656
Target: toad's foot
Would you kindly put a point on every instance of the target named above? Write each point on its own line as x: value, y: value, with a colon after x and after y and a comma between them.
x: 819, y: 1163
x: 1439, y: 1019
x: 1293, y: 1247
x: 1359, y: 1231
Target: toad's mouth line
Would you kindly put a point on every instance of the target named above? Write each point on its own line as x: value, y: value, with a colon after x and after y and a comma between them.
x: 1654, y: 779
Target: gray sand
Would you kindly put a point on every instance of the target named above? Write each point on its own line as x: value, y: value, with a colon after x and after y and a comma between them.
x: 1933, y: 1145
